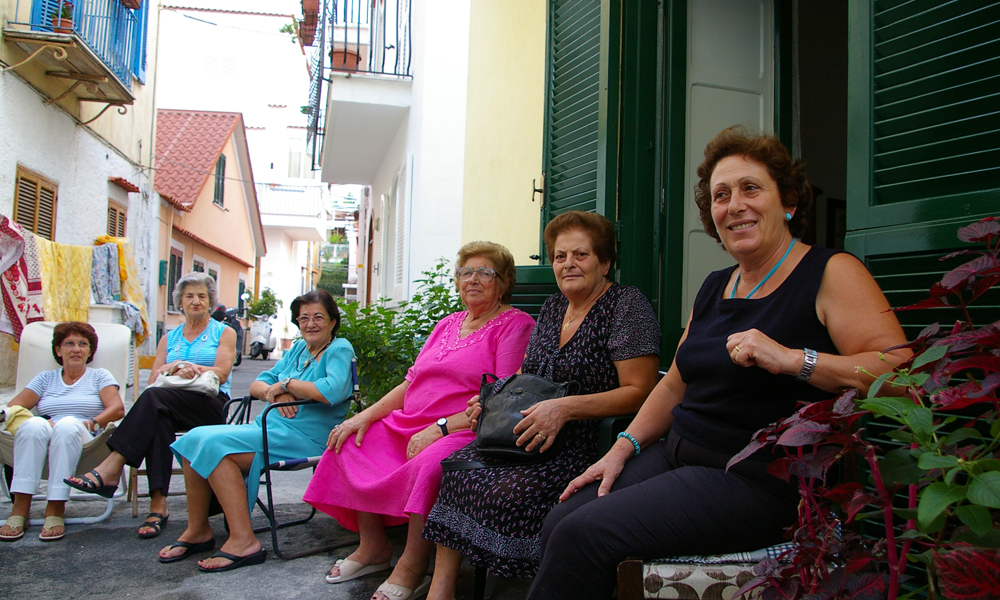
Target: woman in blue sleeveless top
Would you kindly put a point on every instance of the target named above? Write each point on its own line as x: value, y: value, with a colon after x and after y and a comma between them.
x: 789, y: 323
x: 200, y: 344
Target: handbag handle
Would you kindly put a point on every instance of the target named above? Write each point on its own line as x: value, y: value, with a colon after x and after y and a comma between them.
x: 572, y: 387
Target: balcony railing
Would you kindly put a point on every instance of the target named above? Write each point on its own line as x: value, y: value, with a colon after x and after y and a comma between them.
x: 106, y: 26
x: 356, y: 36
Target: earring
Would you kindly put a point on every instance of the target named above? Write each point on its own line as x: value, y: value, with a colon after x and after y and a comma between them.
x: 788, y: 216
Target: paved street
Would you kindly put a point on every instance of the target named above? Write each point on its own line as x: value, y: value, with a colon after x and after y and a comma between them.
x: 108, y: 560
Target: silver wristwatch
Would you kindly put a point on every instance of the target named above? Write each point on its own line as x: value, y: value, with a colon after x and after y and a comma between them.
x: 284, y: 383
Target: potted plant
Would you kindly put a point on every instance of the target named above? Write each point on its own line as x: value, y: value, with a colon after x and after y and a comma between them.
x: 934, y: 498
x: 62, y: 17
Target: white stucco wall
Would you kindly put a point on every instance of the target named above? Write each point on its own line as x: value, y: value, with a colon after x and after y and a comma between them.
x: 434, y: 135
x: 45, y: 140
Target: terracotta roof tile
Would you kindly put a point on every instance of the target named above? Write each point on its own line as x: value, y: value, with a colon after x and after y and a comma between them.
x: 188, y: 144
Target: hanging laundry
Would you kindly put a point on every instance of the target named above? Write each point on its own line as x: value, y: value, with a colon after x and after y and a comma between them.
x: 105, y: 280
x: 20, y: 279
x: 131, y: 286
x: 65, y: 280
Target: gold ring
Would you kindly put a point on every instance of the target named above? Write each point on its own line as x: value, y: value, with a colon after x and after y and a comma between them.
x: 538, y: 435
x: 737, y: 348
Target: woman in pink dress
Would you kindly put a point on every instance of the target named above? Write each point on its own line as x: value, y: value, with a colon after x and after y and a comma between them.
x: 383, y: 466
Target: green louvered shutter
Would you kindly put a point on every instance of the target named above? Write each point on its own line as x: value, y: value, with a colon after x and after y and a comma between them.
x: 923, y: 132
x: 575, y: 149
x: 923, y: 149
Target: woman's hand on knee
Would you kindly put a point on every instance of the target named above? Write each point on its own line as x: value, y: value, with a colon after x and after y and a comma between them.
x: 605, y: 470
x: 356, y: 426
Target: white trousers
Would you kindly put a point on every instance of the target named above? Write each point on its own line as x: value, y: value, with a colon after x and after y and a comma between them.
x: 35, y: 441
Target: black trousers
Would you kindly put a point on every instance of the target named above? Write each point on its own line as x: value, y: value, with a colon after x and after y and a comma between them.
x: 674, y: 499
x: 152, y: 424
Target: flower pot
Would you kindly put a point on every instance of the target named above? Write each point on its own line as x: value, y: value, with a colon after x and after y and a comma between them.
x: 344, y: 60
x: 60, y: 25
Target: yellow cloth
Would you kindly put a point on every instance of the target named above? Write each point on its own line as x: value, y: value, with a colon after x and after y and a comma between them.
x: 131, y: 286
x: 15, y: 416
x: 65, y: 280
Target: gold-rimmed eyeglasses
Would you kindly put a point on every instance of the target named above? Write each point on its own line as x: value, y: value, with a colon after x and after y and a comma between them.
x: 304, y: 320
x: 483, y: 274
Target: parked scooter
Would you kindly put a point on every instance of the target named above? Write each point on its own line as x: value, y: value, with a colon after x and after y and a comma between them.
x: 262, y: 340
x: 229, y: 317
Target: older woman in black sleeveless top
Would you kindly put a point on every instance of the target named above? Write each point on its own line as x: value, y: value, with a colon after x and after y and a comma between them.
x: 789, y: 323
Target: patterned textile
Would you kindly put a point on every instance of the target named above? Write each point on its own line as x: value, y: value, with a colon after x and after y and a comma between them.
x: 697, y: 582
x: 20, y: 279
x: 131, y: 286
x: 779, y: 552
x: 105, y: 281
x: 494, y: 515
x: 65, y: 280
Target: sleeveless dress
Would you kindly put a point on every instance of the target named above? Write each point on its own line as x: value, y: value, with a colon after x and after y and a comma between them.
x: 494, y: 515
x: 200, y: 351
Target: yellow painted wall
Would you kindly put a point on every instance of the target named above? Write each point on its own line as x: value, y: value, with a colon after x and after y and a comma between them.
x: 504, y: 119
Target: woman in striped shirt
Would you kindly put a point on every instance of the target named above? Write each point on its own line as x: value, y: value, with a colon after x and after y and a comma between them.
x: 74, y: 403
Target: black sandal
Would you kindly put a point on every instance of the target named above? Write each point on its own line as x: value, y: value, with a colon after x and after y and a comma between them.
x: 156, y: 526
x: 92, y: 487
x: 189, y: 549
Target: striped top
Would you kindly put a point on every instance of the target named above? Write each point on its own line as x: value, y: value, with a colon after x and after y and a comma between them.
x: 81, y: 400
x: 201, y: 351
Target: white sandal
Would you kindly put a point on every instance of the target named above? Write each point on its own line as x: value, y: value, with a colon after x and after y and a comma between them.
x: 352, y: 569
x: 14, y: 521
x: 51, y: 522
x: 398, y: 592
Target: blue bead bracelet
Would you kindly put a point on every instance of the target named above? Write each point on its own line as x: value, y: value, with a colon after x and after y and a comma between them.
x: 628, y: 436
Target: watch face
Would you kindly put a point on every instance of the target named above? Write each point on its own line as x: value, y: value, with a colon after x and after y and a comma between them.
x: 442, y: 422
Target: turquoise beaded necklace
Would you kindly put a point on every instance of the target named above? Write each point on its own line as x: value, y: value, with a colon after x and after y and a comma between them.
x: 762, y: 281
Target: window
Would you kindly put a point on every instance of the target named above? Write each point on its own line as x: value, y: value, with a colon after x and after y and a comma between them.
x: 214, y: 275
x: 242, y: 290
x: 117, y: 216
x: 173, y: 275
x: 35, y: 203
x: 198, y: 266
x: 220, y: 180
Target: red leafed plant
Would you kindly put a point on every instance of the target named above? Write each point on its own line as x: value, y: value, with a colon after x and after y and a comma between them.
x: 945, y: 464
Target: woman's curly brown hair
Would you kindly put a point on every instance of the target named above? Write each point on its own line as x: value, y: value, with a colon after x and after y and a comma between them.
x: 766, y: 150
x: 63, y: 330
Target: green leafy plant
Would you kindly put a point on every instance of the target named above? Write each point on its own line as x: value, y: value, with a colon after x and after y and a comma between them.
x: 333, y: 276
x: 387, y: 341
x: 62, y: 11
x: 936, y: 494
x: 266, y: 304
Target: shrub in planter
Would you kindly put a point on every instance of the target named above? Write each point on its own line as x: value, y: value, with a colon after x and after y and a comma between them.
x: 945, y: 418
x: 387, y: 341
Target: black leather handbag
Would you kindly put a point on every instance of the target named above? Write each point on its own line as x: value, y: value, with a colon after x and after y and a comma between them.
x: 502, y: 406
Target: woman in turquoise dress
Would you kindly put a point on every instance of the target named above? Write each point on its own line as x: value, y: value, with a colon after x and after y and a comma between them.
x: 228, y: 459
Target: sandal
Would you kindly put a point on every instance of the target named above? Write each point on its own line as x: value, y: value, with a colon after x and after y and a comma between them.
x: 51, y: 522
x: 14, y: 522
x: 189, y: 549
x: 236, y: 562
x: 159, y: 523
x: 398, y: 592
x: 352, y: 569
x: 95, y: 486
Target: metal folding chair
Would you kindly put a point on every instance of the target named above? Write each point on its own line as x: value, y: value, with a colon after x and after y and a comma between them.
x: 297, y: 464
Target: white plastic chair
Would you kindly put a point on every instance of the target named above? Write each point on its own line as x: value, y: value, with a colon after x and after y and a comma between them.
x: 35, y: 356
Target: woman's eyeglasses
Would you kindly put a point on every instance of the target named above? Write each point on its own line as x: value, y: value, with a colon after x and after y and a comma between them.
x: 483, y: 274
x: 304, y: 320
x: 72, y: 344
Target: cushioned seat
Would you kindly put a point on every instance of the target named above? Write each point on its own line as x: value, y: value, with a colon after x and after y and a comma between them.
x: 715, y: 577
